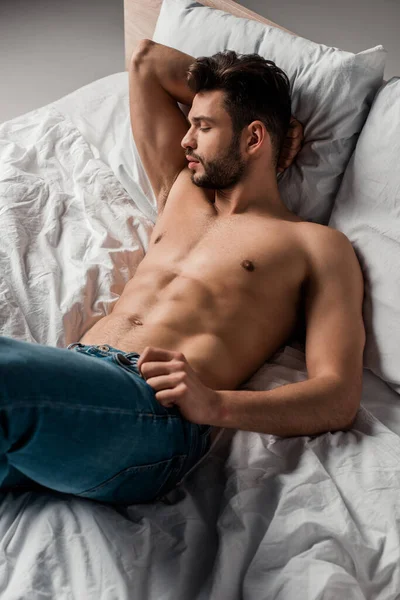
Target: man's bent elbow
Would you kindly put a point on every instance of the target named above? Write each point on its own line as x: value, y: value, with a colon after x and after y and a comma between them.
x: 349, y: 424
x: 338, y: 425
x: 349, y: 421
x: 141, y: 53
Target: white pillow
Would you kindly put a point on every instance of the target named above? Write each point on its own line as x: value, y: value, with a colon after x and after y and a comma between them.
x: 367, y: 210
x: 332, y: 91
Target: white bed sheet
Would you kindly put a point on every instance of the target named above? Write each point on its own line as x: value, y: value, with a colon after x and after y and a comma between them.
x: 260, y: 517
x: 100, y: 111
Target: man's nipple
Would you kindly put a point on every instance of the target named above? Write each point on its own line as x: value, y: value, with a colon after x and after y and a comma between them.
x: 248, y: 265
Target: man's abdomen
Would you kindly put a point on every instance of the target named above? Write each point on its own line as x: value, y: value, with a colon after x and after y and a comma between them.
x: 206, y: 354
x: 225, y: 332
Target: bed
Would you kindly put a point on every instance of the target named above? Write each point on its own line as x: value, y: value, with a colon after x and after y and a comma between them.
x: 261, y: 517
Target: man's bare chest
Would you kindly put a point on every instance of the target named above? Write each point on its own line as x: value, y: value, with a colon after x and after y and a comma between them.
x: 241, y: 250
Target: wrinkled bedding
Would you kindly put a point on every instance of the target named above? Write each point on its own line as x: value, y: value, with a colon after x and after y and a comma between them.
x: 260, y: 517
x: 71, y: 237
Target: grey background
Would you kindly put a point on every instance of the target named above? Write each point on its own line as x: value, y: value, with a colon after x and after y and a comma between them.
x: 49, y: 48
x: 352, y: 25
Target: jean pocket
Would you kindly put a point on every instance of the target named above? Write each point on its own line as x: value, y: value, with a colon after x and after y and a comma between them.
x: 139, y: 484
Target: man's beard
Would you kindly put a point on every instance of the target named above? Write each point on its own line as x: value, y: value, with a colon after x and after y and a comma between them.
x: 224, y: 171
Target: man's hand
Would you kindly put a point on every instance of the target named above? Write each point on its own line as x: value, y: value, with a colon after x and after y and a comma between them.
x: 292, y: 145
x: 175, y: 382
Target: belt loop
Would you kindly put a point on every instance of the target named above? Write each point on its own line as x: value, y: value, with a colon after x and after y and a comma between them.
x: 73, y: 345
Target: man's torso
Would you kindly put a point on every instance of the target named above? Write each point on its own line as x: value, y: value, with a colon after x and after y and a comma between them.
x: 224, y: 290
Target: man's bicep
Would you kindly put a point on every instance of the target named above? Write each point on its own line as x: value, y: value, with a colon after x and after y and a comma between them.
x: 335, y: 334
x: 158, y: 127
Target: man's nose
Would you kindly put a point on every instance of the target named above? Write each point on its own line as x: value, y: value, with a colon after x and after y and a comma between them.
x: 188, y: 142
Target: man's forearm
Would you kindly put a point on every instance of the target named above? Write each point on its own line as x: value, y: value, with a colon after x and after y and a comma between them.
x: 306, y: 408
x: 168, y: 65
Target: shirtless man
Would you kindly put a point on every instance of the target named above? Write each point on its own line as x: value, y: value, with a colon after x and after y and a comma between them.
x: 231, y: 272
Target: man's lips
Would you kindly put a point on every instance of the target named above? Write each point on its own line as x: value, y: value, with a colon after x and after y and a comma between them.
x: 192, y: 162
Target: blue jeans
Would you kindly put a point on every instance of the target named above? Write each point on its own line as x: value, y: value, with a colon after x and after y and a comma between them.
x: 81, y: 420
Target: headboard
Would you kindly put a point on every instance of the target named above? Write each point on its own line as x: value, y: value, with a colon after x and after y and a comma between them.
x: 140, y: 17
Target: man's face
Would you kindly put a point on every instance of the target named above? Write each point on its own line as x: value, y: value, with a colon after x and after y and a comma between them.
x: 211, y: 142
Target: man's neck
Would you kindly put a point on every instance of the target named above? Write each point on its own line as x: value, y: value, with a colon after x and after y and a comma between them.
x: 251, y: 196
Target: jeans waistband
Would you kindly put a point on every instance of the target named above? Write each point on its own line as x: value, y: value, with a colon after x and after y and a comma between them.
x: 102, y: 350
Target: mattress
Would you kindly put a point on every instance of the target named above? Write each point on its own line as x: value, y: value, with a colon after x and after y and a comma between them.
x: 260, y: 517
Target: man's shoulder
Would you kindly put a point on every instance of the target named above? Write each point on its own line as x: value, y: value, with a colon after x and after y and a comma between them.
x: 325, y: 247
x: 322, y: 234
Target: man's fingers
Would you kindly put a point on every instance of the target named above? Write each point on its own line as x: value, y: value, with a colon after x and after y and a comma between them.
x: 167, y: 389
x: 294, y: 134
x: 288, y: 150
x: 151, y: 369
x: 166, y: 398
x: 164, y: 382
x: 294, y: 131
x: 286, y: 158
x: 152, y: 353
x: 294, y: 122
x: 294, y: 142
x: 291, y: 145
x: 288, y: 154
x: 169, y: 397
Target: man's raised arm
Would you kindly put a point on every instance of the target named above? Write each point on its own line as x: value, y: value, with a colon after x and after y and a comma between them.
x: 169, y: 66
x: 158, y: 81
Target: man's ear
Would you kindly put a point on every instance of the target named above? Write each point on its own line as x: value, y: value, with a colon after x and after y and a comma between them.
x: 257, y: 137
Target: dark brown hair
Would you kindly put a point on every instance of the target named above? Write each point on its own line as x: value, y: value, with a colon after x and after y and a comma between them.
x: 255, y: 90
